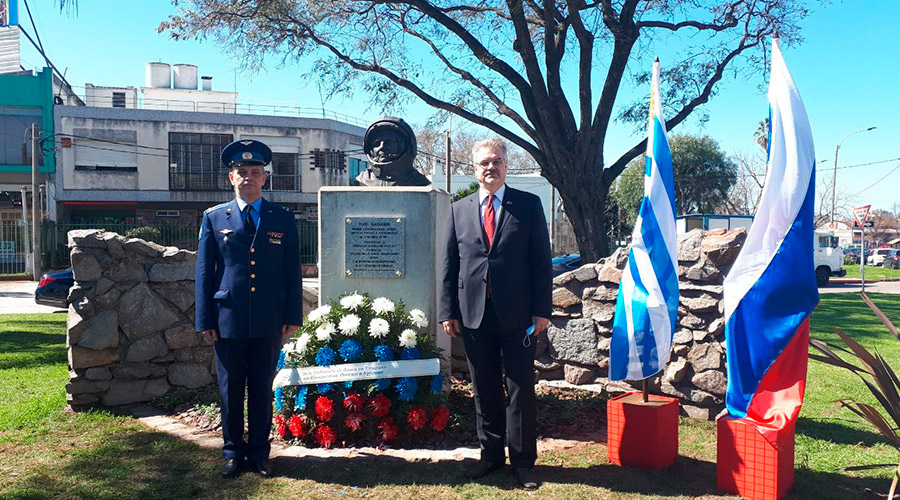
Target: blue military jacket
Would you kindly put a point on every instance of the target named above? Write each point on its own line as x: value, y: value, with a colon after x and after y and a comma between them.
x: 248, y: 287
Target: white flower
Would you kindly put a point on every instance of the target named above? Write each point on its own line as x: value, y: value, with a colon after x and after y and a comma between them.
x: 317, y: 313
x: 408, y: 338
x: 382, y: 305
x: 302, y: 343
x: 287, y: 348
x: 324, y: 331
x: 349, y: 324
x: 351, y: 302
x: 379, y: 328
x: 418, y: 318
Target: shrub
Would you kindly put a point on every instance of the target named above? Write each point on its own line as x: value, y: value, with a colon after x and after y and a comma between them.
x: 145, y: 233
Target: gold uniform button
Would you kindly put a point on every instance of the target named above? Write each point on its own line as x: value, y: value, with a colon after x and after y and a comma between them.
x: 252, y: 250
x: 252, y: 288
x: 252, y: 276
x: 252, y: 262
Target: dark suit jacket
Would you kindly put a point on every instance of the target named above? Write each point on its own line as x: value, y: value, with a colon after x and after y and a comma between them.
x: 248, y: 288
x: 519, y: 263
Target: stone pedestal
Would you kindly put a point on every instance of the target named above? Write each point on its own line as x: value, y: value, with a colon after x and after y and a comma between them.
x: 749, y: 465
x: 401, y: 261
x: 640, y: 434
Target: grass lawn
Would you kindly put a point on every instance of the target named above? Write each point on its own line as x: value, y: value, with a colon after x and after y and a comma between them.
x: 46, y: 452
x: 872, y: 272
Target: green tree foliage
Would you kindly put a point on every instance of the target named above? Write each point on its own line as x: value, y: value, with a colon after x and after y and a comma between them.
x: 543, y: 75
x: 462, y: 193
x: 703, y: 177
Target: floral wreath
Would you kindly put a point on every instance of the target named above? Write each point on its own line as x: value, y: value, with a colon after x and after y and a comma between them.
x: 357, y: 329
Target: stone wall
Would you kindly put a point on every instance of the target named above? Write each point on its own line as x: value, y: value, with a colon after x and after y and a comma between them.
x: 131, y: 331
x: 576, y: 346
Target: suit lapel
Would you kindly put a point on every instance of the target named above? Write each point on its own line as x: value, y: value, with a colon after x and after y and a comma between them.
x: 475, y: 211
x: 504, y: 214
x: 265, y: 217
x: 233, y: 217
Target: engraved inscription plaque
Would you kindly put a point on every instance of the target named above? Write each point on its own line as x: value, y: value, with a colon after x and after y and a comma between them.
x: 374, y: 247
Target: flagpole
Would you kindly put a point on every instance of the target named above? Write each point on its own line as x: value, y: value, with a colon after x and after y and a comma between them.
x: 645, y: 390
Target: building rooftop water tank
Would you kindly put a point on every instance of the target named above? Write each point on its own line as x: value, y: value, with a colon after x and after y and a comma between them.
x: 185, y: 76
x: 159, y: 75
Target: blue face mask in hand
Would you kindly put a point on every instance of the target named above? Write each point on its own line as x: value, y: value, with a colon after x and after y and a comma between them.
x: 526, y: 341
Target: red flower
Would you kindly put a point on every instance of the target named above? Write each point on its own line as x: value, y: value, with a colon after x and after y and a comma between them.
x: 279, y: 425
x: 380, y: 405
x: 325, y: 436
x: 388, y: 429
x: 417, y: 417
x: 296, y: 426
x: 354, y: 421
x: 324, y: 409
x: 353, y: 402
x: 439, y: 418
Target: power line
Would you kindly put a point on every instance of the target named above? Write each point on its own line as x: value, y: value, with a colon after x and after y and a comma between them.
x: 879, y: 180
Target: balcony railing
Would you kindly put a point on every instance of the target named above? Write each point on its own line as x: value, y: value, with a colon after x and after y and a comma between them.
x: 219, y: 182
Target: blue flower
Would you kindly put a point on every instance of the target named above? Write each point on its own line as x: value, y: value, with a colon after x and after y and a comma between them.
x: 406, y: 387
x: 280, y: 363
x: 410, y: 353
x: 437, y: 384
x: 325, y: 356
x: 348, y: 384
x: 300, y: 399
x: 382, y: 384
x: 279, y: 399
x: 350, y: 350
x: 323, y: 388
x: 384, y: 352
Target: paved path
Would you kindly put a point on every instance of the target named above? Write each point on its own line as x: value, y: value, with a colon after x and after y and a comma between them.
x: 878, y: 287
x: 17, y: 297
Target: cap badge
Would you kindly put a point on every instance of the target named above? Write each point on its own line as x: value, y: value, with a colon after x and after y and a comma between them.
x: 246, y: 143
x: 247, y: 155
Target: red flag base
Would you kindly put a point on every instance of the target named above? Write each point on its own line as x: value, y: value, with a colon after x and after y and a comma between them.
x: 640, y: 434
x: 749, y: 465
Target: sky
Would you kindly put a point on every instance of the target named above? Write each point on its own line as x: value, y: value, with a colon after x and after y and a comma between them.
x: 846, y: 70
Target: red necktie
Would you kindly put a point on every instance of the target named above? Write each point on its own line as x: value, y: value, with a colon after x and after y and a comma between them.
x: 489, y: 224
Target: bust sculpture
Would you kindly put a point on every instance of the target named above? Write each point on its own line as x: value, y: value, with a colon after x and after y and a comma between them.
x: 390, y: 146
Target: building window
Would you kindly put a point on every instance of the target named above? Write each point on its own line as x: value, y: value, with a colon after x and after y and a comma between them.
x: 15, y: 139
x: 118, y: 99
x: 328, y: 158
x: 285, y: 175
x: 168, y: 213
x: 105, y: 149
x: 194, y: 162
x: 356, y: 167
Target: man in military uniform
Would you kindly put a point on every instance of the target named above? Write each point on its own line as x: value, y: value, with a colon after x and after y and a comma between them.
x: 247, y: 298
x: 390, y: 147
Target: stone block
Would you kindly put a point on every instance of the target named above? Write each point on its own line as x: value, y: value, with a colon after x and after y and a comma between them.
x: 183, y: 355
x: 697, y: 412
x: 145, y: 248
x: 125, y: 392
x: 605, y: 293
x: 114, y: 245
x: 109, y: 300
x: 157, y: 387
x: 132, y: 371
x: 703, y: 303
x: 712, y: 381
x: 676, y: 370
x: 601, y: 312
x: 98, y: 373
x: 609, y: 274
x: 563, y: 279
x: 82, y: 357
x: 683, y: 336
x: 87, y: 386
x: 576, y: 343
x: 101, y: 331
x: 167, y: 273
x: 578, y: 375
x: 689, y: 246
x: 146, y: 349
x: 89, y: 238
x: 585, y: 273
x: 142, y: 312
x: 84, y: 267
x: 564, y: 299
x: 77, y: 400
x: 126, y: 271
x: 705, y: 357
x: 103, y: 285
x: 190, y: 375
x: 721, y: 246
x: 75, y: 325
x: 703, y: 271
x: 180, y: 296
x: 181, y: 336
x: 717, y: 327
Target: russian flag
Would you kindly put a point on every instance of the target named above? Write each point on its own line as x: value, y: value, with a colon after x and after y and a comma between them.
x: 771, y: 288
x: 647, y: 303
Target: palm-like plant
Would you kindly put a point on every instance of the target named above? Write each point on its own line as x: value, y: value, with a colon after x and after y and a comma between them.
x: 878, y: 376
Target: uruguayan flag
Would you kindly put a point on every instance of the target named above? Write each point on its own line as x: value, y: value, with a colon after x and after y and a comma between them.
x: 647, y: 305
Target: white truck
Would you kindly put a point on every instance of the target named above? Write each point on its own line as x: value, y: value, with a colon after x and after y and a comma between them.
x: 829, y: 258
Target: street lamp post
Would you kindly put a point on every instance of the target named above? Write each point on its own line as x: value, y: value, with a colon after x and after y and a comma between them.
x: 837, y: 149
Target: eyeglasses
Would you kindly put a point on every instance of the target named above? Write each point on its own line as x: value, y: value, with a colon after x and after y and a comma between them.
x: 495, y: 162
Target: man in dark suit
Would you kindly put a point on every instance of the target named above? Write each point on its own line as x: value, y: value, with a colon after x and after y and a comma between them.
x: 247, y: 299
x: 496, y: 282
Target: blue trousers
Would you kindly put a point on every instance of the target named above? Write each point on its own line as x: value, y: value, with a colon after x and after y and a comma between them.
x: 246, y: 363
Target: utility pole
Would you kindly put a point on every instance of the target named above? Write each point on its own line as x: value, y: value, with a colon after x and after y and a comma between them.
x: 36, y: 212
x: 447, y: 162
x: 552, y: 219
x: 837, y: 149
x: 26, y: 241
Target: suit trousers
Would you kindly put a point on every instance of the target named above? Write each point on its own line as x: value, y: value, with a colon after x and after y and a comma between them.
x: 492, y: 350
x: 251, y: 363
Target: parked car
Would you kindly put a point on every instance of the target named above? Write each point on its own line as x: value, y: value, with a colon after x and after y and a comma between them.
x: 566, y: 263
x: 876, y: 256
x: 892, y: 261
x: 53, y: 289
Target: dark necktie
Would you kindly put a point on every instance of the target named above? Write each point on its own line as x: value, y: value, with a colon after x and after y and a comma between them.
x: 248, y: 221
x: 489, y: 223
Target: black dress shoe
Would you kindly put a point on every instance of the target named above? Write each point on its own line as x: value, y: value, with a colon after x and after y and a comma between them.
x: 231, y: 468
x: 526, y: 478
x: 481, y: 469
x: 263, y: 468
